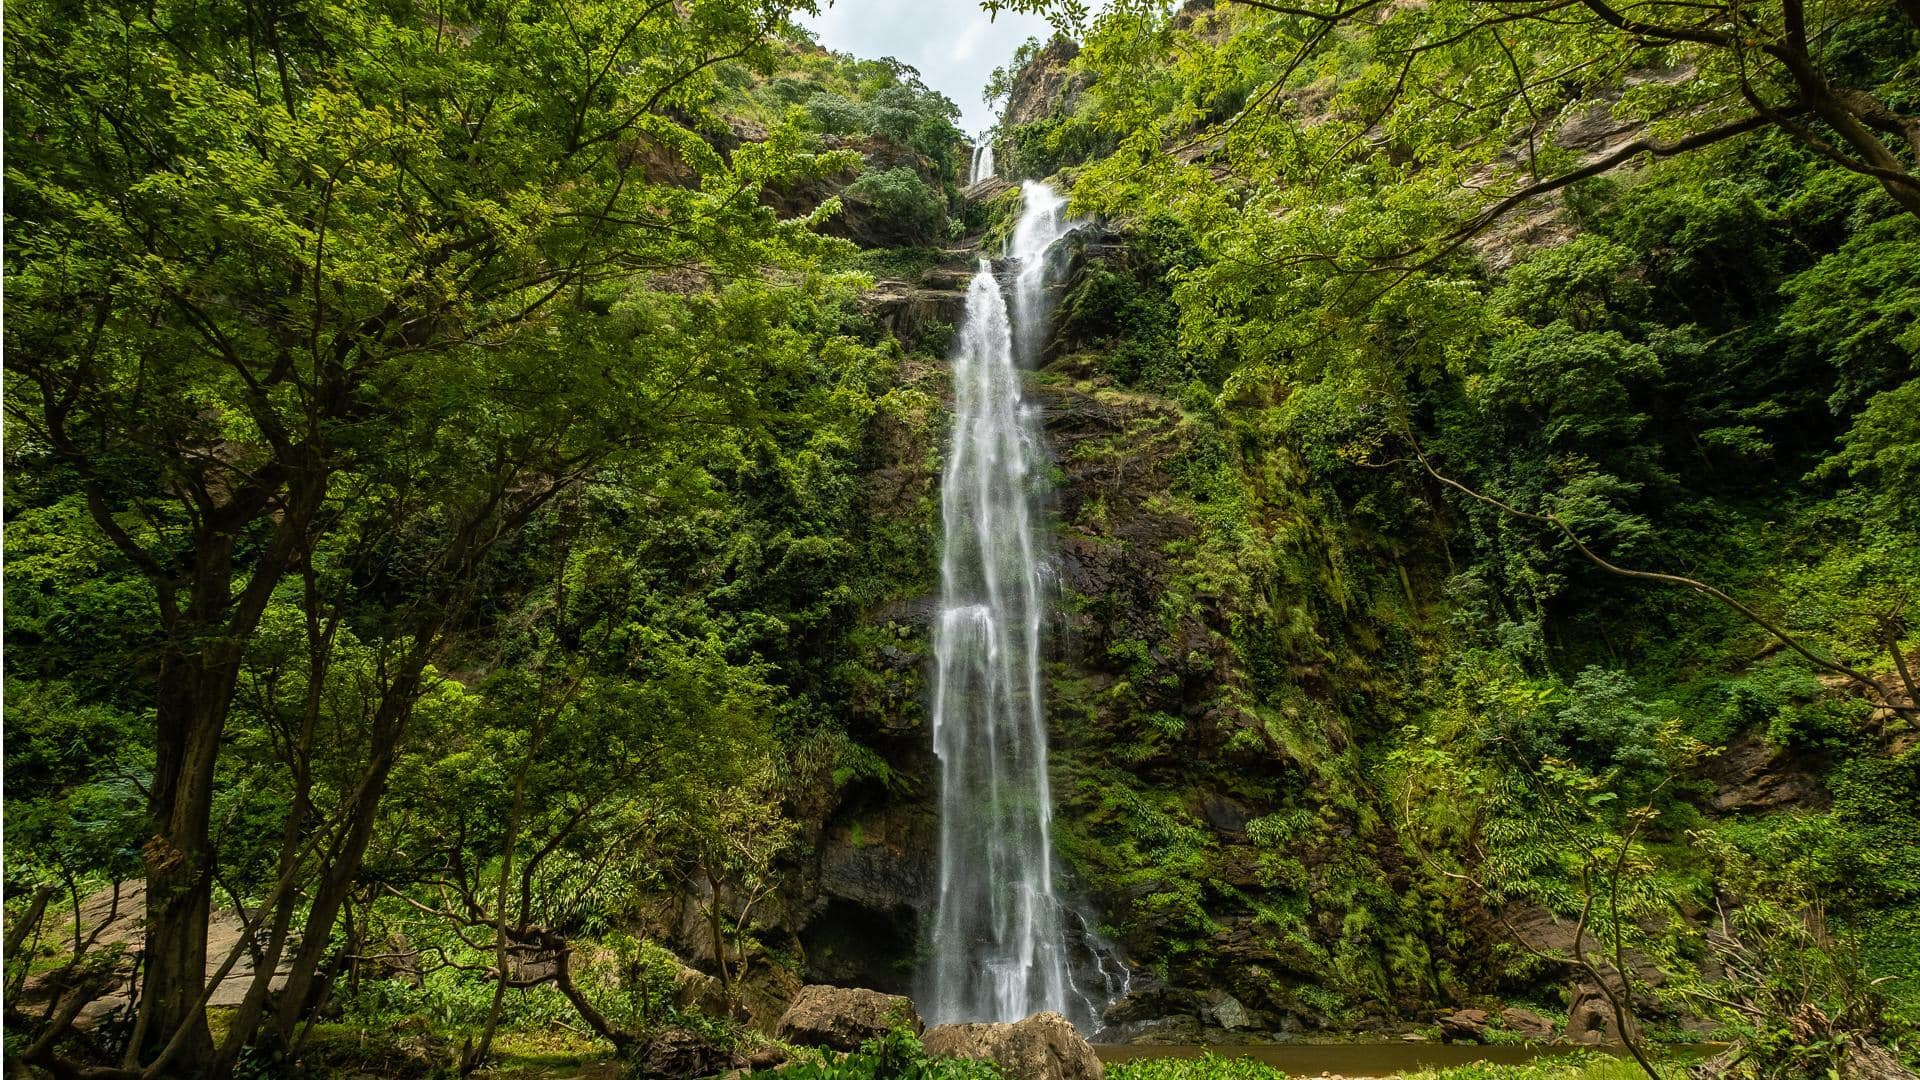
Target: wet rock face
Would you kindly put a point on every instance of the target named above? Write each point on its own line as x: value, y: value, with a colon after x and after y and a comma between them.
x: 841, y: 1018
x: 1149, y: 1001
x: 876, y: 861
x: 856, y: 945
x: 1044, y: 1046
x: 1111, y: 452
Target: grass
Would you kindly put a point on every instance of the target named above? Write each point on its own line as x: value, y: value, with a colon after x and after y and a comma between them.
x: 1591, y: 1068
x: 1213, y: 1067
x: 413, y: 1048
x: 1207, y: 1067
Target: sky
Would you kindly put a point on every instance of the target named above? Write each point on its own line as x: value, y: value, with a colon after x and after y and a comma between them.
x: 952, y: 42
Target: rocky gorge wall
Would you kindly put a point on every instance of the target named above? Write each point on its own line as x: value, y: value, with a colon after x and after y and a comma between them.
x: 1236, y: 650
x: 1161, y: 765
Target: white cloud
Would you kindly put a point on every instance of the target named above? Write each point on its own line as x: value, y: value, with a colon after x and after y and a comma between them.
x: 952, y: 42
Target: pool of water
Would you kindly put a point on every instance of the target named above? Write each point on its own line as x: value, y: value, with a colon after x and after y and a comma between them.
x: 1343, y: 1059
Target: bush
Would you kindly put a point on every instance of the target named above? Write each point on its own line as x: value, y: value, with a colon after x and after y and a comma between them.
x: 1205, y: 1067
x: 900, y: 205
x: 897, y: 1055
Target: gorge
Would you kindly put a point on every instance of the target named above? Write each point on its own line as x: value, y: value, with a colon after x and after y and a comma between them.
x: 614, y: 540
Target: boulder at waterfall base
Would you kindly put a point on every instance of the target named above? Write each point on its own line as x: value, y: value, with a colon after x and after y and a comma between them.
x: 841, y: 1018
x: 1526, y: 1023
x: 1044, y: 1046
x: 1464, y: 1025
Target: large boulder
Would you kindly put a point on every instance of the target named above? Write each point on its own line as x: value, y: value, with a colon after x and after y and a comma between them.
x: 1229, y: 1013
x: 1044, y: 1046
x: 1591, y: 1020
x: 841, y: 1018
x: 1464, y: 1025
x: 696, y: 991
x: 1526, y: 1023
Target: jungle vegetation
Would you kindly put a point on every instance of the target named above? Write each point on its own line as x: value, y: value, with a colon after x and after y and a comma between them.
x: 453, y: 476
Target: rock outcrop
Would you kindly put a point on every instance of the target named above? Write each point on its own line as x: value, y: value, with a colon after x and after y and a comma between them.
x: 1751, y: 777
x: 1464, y: 1025
x: 115, y: 916
x: 915, y: 311
x: 696, y: 990
x: 1045, y: 86
x: 841, y: 1018
x: 1044, y: 1046
x: 1526, y: 1023
x: 1590, y: 1020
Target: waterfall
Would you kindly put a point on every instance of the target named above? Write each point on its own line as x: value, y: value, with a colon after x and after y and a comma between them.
x: 982, y: 166
x: 1001, y: 947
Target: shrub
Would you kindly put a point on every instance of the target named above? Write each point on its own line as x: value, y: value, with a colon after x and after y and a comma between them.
x: 1205, y: 1067
x: 900, y: 204
x: 896, y: 1055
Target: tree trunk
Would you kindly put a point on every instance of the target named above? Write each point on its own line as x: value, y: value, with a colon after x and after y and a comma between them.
x: 195, y: 692
x: 363, y: 812
x: 719, y: 944
x: 195, y: 687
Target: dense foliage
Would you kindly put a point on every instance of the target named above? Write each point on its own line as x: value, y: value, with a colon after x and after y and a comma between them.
x: 419, y: 438
x: 1450, y: 317
x: 466, y: 527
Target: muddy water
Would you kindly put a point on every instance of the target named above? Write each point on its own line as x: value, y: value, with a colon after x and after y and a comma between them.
x: 1343, y: 1059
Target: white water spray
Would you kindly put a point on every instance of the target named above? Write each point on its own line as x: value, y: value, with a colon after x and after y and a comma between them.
x: 1000, y: 939
x: 982, y: 166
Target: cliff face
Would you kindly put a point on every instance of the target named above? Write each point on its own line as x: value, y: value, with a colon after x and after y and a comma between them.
x: 1045, y: 86
x: 1170, y: 784
x: 1242, y: 654
x: 1202, y: 701
x: 1226, y: 671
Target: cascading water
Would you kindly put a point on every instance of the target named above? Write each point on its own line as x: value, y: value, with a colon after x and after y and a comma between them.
x: 1001, y: 947
x: 982, y: 166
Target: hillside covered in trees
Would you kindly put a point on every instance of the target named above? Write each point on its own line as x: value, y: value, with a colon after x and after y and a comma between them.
x: 474, y: 521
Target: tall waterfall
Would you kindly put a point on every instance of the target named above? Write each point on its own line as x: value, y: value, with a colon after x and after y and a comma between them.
x: 982, y: 166
x: 1001, y: 948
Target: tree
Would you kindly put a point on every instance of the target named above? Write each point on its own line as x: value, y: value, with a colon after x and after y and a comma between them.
x: 1461, y: 88
x: 725, y: 837
x: 282, y: 272
x: 573, y: 780
x: 1526, y: 824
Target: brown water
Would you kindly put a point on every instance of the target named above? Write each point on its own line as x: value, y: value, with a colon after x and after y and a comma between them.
x: 1343, y: 1059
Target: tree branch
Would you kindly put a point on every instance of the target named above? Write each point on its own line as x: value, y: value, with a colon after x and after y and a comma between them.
x: 1859, y: 678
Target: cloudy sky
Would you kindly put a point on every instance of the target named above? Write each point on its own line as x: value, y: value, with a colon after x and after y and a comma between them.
x: 952, y: 42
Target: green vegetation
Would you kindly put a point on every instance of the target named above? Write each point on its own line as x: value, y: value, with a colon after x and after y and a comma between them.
x: 895, y: 1056
x: 1217, y: 1067
x: 1391, y: 440
x: 913, y: 159
x: 464, y: 524
x: 1205, y: 1067
x: 903, y: 202
x: 405, y: 496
